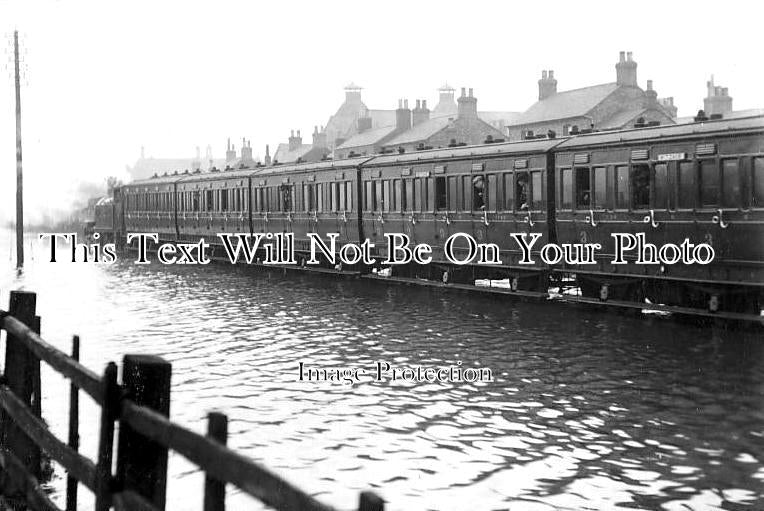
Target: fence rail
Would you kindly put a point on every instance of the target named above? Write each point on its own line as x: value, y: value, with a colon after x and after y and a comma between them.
x: 140, y: 405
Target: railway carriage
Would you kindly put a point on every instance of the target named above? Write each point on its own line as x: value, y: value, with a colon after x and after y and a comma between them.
x: 213, y: 202
x: 319, y: 197
x: 486, y: 192
x: 702, y: 181
x: 149, y: 206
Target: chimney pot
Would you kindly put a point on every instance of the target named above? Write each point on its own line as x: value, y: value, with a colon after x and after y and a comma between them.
x: 470, y: 91
x: 463, y: 93
x: 298, y: 133
x: 543, y: 74
x: 418, y: 104
x: 551, y: 74
x: 424, y: 104
x: 649, y: 85
x: 400, y: 103
x: 405, y: 104
x: 291, y: 133
x: 628, y: 56
x: 622, y: 56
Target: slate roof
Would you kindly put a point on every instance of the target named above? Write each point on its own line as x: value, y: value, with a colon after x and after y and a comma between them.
x: 566, y: 104
x: 284, y: 155
x: 368, y: 137
x: 421, y: 131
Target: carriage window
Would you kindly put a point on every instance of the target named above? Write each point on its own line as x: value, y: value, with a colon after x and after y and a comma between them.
x: 368, y: 196
x: 583, y: 188
x: 687, y: 186
x: 492, y: 189
x: 307, y: 194
x: 640, y: 186
x: 332, y: 196
x: 416, y: 196
x: 453, y: 193
x: 509, y: 193
x: 224, y: 200
x: 522, y: 189
x: 466, y: 193
x: 379, y: 201
x: 661, y: 186
x: 343, y: 196
x: 286, y: 198
x: 709, y: 183
x: 478, y: 193
x: 440, y: 193
x: 758, y: 182
x: 209, y: 201
x: 600, y: 187
x: 397, y: 192
x: 407, y: 197
x: 731, y: 184
x: 319, y: 197
x: 621, y: 187
x: 536, y: 190
x: 566, y: 189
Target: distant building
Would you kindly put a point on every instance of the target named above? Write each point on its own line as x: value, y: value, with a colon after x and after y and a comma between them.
x: 718, y: 103
x: 245, y: 160
x: 370, y: 140
x: 144, y: 167
x: 296, y: 152
x: 344, y: 123
x: 718, y: 100
x: 607, y: 106
x: 447, y: 107
x: 463, y: 128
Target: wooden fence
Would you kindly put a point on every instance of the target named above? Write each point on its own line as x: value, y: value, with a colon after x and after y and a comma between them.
x: 141, y: 405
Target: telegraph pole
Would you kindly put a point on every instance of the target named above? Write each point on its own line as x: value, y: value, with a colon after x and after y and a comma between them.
x: 19, y: 174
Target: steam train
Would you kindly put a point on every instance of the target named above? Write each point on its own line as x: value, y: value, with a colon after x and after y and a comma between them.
x: 703, y: 181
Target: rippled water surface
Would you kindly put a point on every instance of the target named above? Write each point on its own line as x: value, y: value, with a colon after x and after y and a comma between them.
x: 587, y: 411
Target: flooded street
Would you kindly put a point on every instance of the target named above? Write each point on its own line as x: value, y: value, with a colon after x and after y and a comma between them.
x: 586, y: 410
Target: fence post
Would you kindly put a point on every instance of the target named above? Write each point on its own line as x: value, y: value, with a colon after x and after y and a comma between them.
x: 214, y: 490
x: 19, y: 375
x: 109, y: 411
x: 142, y: 463
x: 370, y: 501
x: 74, y: 429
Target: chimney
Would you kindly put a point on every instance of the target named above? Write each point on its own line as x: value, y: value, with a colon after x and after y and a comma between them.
x: 143, y: 153
x: 547, y: 85
x: 230, y: 152
x: 352, y: 93
x: 626, y: 70
x: 467, y: 106
x: 267, y: 154
x: 319, y: 138
x: 403, y: 116
x: 208, y: 155
x: 364, y: 124
x: 196, y: 163
x: 651, y: 95
x: 295, y: 141
x: 668, y: 106
x: 421, y: 113
x: 718, y: 100
x: 246, y: 151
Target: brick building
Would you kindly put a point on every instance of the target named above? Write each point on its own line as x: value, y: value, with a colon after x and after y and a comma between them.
x: 615, y: 105
x: 463, y: 128
x: 296, y: 152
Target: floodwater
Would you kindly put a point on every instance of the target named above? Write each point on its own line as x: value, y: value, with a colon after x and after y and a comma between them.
x: 586, y: 410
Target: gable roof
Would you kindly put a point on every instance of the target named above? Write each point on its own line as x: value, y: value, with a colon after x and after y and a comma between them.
x: 421, y: 131
x: 368, y: 137
x: 284, y: 155
x: 566, y: 104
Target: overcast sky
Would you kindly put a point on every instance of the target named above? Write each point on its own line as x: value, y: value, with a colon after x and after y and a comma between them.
x: 103, y: 80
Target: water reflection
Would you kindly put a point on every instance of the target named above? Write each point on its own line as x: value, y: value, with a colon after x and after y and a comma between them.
x: 586, y: 410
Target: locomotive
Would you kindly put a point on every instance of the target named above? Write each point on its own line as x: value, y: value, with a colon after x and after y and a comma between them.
x: 702, y: 181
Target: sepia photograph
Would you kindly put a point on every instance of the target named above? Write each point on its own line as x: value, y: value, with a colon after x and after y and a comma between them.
x: 381, y: 256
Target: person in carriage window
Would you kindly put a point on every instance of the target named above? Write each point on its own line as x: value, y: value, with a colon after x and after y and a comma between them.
x: 478, y: 191
x: 522, y: 191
